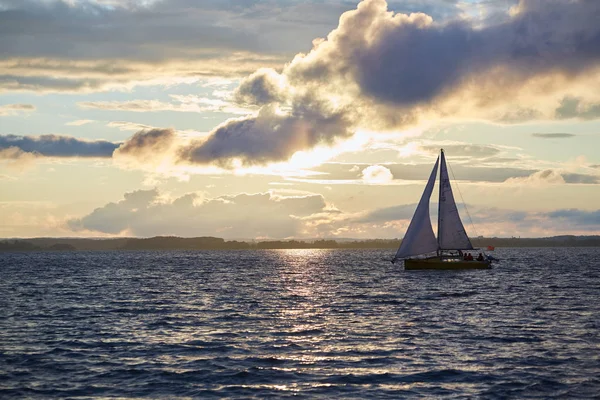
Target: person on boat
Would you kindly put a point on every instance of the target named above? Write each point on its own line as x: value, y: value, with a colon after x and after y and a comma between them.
x: 469, y: 257
x: 466, y: 257
x: 480, y: 257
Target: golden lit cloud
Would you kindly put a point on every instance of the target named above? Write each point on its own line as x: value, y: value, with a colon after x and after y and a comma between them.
x: 377, y: 175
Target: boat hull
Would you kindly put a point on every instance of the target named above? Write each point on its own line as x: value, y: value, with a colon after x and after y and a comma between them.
x: 437, y: 263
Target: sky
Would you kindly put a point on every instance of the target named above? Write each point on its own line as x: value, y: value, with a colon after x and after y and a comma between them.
x: 275, y: 119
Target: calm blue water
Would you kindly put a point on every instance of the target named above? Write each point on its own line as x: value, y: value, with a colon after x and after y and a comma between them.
x: 303, y: 323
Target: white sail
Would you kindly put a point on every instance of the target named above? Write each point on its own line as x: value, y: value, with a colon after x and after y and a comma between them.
x: 419, y: 237
x: 451, y: 232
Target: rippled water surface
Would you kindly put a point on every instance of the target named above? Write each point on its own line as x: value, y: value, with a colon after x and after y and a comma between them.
x: 303, y: 323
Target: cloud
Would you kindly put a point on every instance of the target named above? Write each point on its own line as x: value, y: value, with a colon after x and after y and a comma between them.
x: 410, y: 60
x: 155, y: 151
x: 188, y: 103
x: 380, y: 70
x: 262, y: 87
x: 207, y: 104
x: 133, y: 105
x: 260, y: 215
x: 13, y: 109
x: 553, y: 177
x: 510, y: 223
x: 128, y: 126
x: 574, y: 107
x: 15, y: 158
x: 58, y: 146
x: 545, y: 177
x: 581, y: 178
x: 377, y: 175
x: 147, y: 146
x: 80, y: 122
x: 553, y: 135
x: 576, y: 217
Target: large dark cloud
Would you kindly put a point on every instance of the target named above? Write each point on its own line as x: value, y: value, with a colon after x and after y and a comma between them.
x: 58, y: 146
x: 414, y: 61
x: 408, y: 60
x: 410, y: 64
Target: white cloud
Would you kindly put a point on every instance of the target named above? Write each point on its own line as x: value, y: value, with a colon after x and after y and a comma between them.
x: 377, y: 175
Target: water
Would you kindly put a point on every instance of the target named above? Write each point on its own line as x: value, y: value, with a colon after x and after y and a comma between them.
x: 297, y: 323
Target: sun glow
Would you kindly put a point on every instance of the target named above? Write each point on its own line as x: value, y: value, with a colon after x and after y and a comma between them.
x: 301, y: 161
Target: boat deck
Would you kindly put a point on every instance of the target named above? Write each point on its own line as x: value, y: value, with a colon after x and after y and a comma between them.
x: 444, y: 263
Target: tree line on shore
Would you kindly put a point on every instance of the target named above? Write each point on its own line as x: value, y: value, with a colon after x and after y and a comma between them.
x: 214, y: 243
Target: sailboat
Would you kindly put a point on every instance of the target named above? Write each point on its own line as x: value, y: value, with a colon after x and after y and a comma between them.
x: 452, y: 240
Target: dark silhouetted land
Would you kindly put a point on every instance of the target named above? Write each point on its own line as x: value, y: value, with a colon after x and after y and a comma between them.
x: 213, y: 243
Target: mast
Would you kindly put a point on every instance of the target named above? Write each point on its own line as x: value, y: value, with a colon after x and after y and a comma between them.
x: 439, y: 224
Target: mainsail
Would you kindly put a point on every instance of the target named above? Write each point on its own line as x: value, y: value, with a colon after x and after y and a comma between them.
x: 451, y: 232
x: 419, y: 237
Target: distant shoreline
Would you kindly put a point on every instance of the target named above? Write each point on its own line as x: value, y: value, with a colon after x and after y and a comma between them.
x: 214, y: 243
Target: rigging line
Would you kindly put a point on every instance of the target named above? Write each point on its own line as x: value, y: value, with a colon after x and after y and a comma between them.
x: 462, y: 199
